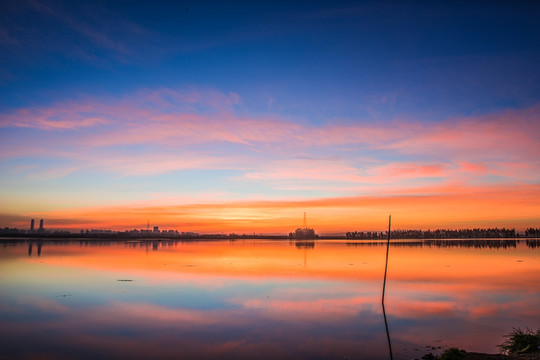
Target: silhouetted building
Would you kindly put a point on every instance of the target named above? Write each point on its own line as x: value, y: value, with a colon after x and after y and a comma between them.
x: 156, y: 229
x: 32, y: 225
x: 303, y: 234
x: 41, y: 225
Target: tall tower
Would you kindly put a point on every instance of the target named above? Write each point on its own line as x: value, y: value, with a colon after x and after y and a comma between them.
x: 305, y: 221
x: 32, y: 225
x: 41, y: 225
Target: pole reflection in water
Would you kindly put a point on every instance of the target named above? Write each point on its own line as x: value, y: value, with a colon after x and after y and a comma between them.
x: 387, y: 332
x: 384, y: 288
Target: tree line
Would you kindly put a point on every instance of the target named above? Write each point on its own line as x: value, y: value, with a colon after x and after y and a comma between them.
x: 444, y: 234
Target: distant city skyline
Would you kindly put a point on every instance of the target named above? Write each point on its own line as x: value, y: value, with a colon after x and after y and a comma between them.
x: 300, y: 232
x: 239, y: 117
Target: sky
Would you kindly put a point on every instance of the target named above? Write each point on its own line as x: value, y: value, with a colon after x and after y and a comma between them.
x: 240, y: 116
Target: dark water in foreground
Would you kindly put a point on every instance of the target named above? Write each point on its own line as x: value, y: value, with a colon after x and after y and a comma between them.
x: 262, y: 299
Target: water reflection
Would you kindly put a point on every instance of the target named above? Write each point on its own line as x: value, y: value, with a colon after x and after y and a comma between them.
x: 387, y: 332
x: 304, y: 244
x: 533, y: 243
x: 259, y: 299
x: 161, y: 243
x: 469, y: 243
x: 39, y: 244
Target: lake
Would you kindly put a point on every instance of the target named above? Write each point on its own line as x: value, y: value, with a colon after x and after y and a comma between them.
x: 262, y: 299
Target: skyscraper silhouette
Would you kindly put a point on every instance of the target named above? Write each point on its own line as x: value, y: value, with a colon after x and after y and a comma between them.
x: 41, y: 225
x: 32, y: 225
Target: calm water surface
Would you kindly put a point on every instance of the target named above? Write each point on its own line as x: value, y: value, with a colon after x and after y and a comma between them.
x: 262, y: 299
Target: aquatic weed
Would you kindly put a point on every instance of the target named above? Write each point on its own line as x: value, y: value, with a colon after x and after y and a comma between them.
x: 519, y: 341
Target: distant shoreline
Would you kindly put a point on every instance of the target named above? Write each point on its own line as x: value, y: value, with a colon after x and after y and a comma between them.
x: 160, y: 237
x: 299, y: 234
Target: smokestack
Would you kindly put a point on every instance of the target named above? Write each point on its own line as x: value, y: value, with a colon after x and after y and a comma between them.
x: 41, y: 225
x: 32, y: 225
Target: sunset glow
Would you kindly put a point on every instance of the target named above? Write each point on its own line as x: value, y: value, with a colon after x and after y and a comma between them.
x: 240, y: 119
x: 269, y: 179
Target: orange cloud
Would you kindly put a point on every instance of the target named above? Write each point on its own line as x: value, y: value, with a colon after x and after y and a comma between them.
x: 411, y: 170
x: 473, y: 167
x: 479, y: 170
x: 448, y: 206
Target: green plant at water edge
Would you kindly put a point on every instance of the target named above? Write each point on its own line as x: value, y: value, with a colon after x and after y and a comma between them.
x: 519, y: 341
x: 453, y: 354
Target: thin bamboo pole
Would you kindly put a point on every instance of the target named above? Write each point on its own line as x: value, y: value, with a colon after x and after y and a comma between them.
x: 386, y: 264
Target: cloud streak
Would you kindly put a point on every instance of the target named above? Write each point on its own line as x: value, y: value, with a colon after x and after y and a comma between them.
x: 206, y: 116
x: 164, y: 131
x: 430, y: 207
x: 193, y: 116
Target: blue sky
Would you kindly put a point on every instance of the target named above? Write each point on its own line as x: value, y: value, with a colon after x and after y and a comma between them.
x: 446, y: 59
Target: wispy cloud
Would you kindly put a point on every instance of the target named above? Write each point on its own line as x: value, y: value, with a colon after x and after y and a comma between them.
x: 452, y: 206
x: 57, y: 121
x: 171, y: 114
x: 95, y: 33
x: 158, y: 131
x: 167, y: 121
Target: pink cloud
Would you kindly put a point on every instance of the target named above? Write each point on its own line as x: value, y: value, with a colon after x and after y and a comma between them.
x: 414, y: 170
x: 173, y: 124
x: 341, y: 170
x: 473, y: 167
x: 314, y: 169
x: 199, y: 116
x: 512, y: 133
x: 149, y: 164
x: 50, y: 120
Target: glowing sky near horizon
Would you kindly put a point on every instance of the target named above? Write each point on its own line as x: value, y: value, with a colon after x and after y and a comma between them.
x: 213, y: 116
